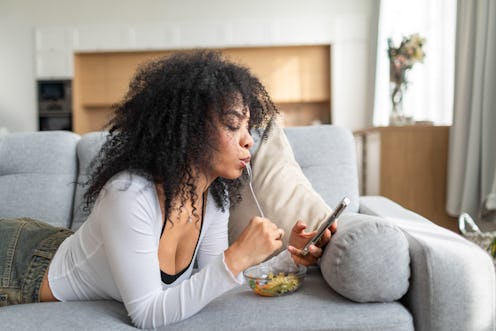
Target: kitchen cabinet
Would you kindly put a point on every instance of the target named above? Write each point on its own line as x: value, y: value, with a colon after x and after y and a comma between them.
x: 296, y: 77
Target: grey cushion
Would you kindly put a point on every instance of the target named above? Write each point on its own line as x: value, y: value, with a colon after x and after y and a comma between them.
x: 315, y: 306
x: 38, y: 175
x: 367, y: 259
x: 326, y: 154
x: 87, y: 149
x: 51, y: 316
x: 280, y: 186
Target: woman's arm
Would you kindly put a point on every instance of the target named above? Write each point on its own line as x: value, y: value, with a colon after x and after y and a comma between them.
x: 259, y: 239
x: 131, y: 244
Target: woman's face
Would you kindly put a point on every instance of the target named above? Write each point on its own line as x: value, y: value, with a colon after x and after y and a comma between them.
x: 233, y: 143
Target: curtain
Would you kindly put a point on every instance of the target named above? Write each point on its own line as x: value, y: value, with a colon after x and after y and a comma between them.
x: 488, y: 209
x: 430, y: 92
x: 471, y: 184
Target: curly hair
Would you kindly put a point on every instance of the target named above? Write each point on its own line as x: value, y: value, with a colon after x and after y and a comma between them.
x: 163, y: 128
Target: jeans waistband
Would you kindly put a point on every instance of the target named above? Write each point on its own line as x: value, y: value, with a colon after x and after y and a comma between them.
x: 49, y: 245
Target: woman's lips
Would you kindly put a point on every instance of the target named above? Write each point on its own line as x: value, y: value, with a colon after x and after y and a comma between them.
x: 245, y: 161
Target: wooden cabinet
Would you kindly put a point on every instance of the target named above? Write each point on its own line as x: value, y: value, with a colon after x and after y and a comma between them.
x: 407, y: 164
x: 291, y: 74
x: 100, y: 80
x: 296, y: 77
x: 103, y: 78
x: 92, y: 82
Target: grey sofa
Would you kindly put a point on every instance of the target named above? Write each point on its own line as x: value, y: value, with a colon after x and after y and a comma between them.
x: 451, y: 284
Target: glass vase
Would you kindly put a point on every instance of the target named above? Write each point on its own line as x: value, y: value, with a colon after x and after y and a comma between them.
x: 397, y: 115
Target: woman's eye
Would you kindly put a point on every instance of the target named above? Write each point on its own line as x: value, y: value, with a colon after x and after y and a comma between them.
x: 233, y: 124
x: 233, y: 127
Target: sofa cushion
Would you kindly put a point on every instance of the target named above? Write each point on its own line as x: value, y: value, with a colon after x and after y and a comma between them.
x: 87, y: 149
x: 38, y: 175
x: 283, y: 192
x: 315, y: 306
x: 367, y: 259
x: 281, y: 185
x: 327, y: 157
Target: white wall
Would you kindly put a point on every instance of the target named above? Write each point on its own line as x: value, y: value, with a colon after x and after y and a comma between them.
x: 20, y: 18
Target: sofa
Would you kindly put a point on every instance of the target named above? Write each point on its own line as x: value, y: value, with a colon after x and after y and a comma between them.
x: 447, y: 283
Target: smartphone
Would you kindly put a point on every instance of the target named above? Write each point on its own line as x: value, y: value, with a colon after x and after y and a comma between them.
x: 327, y: 224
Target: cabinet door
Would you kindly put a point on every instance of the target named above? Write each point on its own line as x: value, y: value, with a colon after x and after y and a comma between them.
x: 408, y: 165
x: 53, y: 65
x: 414, y: 167
x: 53, y: 53
x: 119, y: 71
x: 291, y: 74
x: 121, y: 68
x: 92, y: 78
x: 315, y: 71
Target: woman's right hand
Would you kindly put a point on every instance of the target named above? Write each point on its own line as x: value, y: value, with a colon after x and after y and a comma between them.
x: 258, y: 241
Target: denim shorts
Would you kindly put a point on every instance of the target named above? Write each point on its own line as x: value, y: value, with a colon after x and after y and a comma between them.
x: 26, y: 248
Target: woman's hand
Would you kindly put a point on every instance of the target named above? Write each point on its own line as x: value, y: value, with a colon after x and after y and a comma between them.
x: 299, y: 238
x: 258, y: 241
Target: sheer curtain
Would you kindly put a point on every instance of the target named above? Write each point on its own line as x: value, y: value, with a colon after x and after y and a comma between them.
x: 430, y: 91
x: 472, y: 150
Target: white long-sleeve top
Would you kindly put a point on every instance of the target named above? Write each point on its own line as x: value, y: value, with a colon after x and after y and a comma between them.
x: 114, y: 255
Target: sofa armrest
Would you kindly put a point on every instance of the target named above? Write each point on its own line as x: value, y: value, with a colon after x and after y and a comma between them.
x: 452, y: 284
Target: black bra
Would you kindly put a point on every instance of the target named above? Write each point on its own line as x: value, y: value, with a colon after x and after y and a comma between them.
x: 169, y: 279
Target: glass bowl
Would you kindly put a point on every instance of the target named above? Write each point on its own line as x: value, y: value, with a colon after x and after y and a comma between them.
x: 269, y: 282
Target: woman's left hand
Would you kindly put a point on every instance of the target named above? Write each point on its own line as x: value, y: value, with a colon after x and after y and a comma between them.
x: 299, y: 238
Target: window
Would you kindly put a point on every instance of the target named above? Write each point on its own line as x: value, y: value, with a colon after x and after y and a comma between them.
x: 430, y: 90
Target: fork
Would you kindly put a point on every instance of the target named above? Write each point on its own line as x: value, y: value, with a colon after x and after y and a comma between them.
x: 250, y: 177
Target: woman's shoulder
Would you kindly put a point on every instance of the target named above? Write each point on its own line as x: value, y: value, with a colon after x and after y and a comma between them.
x: 131, y: 182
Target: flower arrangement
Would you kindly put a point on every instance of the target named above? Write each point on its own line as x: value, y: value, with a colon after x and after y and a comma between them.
x: 401, y: 60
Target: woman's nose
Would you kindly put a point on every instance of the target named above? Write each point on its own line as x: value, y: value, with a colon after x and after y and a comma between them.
x: 248, y: 141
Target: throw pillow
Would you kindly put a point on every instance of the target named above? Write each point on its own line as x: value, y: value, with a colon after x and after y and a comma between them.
x: 284, y: 193
x: 367, y: 259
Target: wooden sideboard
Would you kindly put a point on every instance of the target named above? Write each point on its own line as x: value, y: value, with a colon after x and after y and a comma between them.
x: 407, y: 164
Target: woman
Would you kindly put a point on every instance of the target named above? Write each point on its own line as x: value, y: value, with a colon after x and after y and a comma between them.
x: 160, y: 193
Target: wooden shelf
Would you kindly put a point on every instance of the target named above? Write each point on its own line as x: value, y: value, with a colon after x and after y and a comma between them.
x: 304, y: 113
x: 296, y: 77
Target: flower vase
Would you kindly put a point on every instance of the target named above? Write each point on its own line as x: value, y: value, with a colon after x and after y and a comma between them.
x: 397, y: 116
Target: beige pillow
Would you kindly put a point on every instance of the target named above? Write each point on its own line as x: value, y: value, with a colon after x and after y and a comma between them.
x: 283, y: 192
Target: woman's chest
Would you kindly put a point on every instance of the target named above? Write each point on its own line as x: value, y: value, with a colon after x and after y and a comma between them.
x: 177, y: 246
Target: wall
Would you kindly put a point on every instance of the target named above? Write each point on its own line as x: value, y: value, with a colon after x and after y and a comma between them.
x: 19, y: 19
